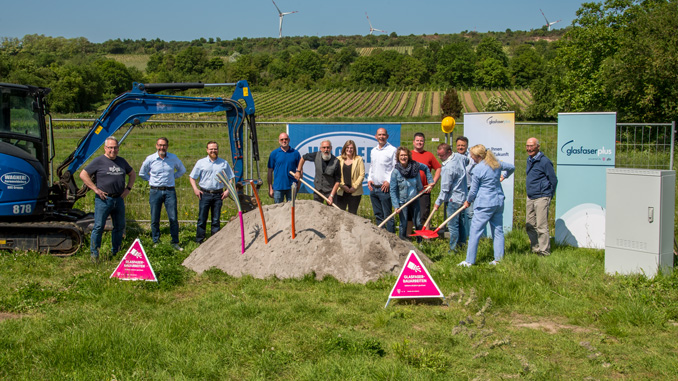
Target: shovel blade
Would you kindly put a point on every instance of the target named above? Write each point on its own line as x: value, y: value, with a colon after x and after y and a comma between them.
x: 425, y: 233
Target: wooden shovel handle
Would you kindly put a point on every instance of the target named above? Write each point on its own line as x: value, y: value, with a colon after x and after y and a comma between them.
x: 450, y: 218
x: 407, y: 203
x: 316, y: 191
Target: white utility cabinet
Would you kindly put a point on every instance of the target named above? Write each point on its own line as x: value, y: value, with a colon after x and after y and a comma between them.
x: 640, y: 207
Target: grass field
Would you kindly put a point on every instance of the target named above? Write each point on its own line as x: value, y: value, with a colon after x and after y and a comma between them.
x: 558, y: 317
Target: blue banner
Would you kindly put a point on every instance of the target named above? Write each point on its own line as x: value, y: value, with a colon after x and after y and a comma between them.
x: 586, y: 148
x: 306, y: 138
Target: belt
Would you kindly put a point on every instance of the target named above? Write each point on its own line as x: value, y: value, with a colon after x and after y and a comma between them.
x: 114, y: 195
x: 162, y: 188
x: 216, y: 191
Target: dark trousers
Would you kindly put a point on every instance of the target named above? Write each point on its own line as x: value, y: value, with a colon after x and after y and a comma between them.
x: 210, y: 203
x: 350, y: 201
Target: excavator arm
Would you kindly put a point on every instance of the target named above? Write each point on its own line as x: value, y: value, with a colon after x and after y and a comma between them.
x: 140, y: 104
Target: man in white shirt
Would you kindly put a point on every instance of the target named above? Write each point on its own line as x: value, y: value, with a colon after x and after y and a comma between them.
x: 383, y: 159
x: 161, y: 169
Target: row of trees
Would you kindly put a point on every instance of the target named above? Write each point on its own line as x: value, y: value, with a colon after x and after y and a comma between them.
x: 620, y: 55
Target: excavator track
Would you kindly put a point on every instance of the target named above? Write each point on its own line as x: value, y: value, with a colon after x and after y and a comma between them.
x: 61, y: 239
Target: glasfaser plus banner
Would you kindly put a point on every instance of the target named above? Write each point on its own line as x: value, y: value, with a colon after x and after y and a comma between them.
x: 306, y: 138
x: 586, y: 148
x: 496, y: 131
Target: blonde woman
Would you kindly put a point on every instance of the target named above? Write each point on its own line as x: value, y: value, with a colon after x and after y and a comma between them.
x: 487, y: 197
x: 352, y: 169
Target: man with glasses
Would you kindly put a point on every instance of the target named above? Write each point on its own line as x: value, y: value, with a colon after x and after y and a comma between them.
x: 161, y: 169
x: 327, y: 173
x: 282, y: 161
x: 108, y: 171
x: 212, y: 191
x: 541, y: 185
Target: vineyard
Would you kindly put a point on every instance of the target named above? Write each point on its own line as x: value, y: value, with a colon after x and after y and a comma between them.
x: 400, y: 49
x: 374, y: 103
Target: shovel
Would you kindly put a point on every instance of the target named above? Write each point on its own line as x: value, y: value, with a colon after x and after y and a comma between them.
x: 261, y: 211
x: 316, y: 191
x: 407, y: 203
x: 224, y: 179
x: 428, y: 234
x: 294, y: 197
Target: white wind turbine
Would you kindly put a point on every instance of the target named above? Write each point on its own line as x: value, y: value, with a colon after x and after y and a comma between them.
x: 548, y: 24
x: 281, y: 14
x: 371, y: 28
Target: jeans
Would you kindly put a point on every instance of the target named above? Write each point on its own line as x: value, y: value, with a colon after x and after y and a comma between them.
x: 481, y: 216
x: 156, y: 199
x: 279, y: 196
x: 410, y: 212
x: 210, y: 203
x: 454, y: 226
x: 381, y: 206
x: 115, y: 207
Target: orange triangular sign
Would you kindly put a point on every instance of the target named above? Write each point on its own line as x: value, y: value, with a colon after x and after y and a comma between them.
x: 414, y: 281
x: 135, y: 265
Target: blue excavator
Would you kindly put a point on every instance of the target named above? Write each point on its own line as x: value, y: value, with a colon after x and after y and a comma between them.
x: 37, y: 202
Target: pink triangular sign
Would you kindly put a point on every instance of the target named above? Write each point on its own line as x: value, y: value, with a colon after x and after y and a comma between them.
x: 414, y: 281
x: 135, y: 265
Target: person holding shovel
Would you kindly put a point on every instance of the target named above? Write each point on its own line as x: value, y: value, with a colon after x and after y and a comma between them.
x: 405, y: 185
x: 453, y: 189
x: 487, y: 197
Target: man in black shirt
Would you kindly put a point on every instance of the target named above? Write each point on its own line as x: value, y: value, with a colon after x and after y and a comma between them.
x: 109, y: 172
x: 327, y: 171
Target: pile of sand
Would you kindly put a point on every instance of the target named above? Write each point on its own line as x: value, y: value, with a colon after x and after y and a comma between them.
x: 328, y: 242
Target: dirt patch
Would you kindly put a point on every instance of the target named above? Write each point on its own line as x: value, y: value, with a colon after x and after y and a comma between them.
x: 328, y: 242
x: 6, y: 316
x: 546, y: 325
x: 469, y: 102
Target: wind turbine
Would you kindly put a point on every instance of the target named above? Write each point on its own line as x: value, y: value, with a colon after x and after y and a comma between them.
x: 371, y: 28
x: 281, y: 14
x: 548, y: 24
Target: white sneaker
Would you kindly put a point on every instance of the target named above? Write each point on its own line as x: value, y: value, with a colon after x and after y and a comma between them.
x: 465, y: 264
x: 494, y: 263
x: 177, y: 247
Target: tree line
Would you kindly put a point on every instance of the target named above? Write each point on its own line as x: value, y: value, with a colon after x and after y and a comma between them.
x: 619, y: 55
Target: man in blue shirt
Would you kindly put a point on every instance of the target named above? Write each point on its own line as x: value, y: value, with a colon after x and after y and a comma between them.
x: 541, y: 184
x: 453, y: 188
x: 282, y: 161
x: 212, y: 191
x: 161, y: 169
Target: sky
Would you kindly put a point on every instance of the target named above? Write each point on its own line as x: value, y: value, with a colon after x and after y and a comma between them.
x: 170, y: 20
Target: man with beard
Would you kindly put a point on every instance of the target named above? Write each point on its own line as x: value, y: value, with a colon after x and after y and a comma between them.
x: 327, y: 173
x: 161, y: 169
x: 212, y: 191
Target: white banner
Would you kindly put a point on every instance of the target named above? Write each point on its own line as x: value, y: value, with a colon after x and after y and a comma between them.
x: 496, y: 131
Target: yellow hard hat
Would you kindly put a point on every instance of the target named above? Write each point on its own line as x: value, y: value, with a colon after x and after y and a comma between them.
x: 448, y: 124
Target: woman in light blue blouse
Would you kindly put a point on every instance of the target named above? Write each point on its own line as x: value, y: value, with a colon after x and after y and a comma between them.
x: 487, y: 197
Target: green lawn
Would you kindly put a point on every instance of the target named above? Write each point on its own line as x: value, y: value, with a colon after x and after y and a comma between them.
x: 558, y: 317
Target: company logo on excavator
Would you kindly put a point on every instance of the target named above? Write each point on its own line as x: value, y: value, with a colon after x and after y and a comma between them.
x: 15, y: 179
